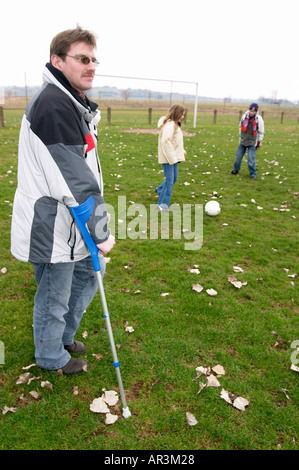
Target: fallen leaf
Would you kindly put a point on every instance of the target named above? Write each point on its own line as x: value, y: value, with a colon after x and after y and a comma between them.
x: 129, y: 329
x: 23, y: 378
x: 280, y: 342
x: 237, y: 269
x: 225, y: 395
x: 98, y: 356
x: 240, y: 403
x: 31, y: 379
x: 201, y: 386
x: 193, y: 270
x: 110, y: 397
x: 212, y: 381
x: 46, y: 384
x: 99, y: 406
x: 197, y: 287
x: 191, y: 420
x: 34, y: 395
x: 6, y: 409
x: 110, y: 419
x: 211, y: 292
x: 234, y: 281
x: 219, y: 370
x: 201, y: 370
x: 28, y: 367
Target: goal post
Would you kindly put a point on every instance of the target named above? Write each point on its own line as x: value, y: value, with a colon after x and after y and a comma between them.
x: 162, y: 80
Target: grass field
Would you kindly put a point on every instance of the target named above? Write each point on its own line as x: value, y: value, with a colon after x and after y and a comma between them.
x: 256, y: 230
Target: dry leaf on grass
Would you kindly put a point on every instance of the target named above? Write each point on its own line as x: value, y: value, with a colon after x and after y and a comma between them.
x: 197, y: 287
x: 110, y: 419
x: 98, y: 356
x: 191, y: 420
x: 129, y: 329
x: 28, y: 367
x: 99, y: 406
x: 226, y: 396
x: 24, y: 378
x: 194, y: 270
x: 219, y: 370
x: 6, y: 409
x: 201, y: 386
x: 237, y: 269
x: 34, y: 394
x: 110, y: 397
x: 201, y: 370
x: 240, y: 403
x: 211, y: 292
x: 280, y: 342
x: 233, y: 280
x: 285, y: 392
x: 46, y: 384
x: 212, y: 381
x: 237, y: 402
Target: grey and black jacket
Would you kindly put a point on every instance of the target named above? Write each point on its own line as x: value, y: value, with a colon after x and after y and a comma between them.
x: 58, y: 166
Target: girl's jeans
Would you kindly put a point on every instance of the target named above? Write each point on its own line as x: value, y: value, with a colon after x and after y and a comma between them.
x: 165, y: 189
x: 64, y: 292
x: 251, y: 159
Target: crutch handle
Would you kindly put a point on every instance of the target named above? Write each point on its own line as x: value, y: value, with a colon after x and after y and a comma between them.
x: 81, y: 214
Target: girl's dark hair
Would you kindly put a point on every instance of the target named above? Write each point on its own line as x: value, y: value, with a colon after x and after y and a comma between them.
x: 61, y: 43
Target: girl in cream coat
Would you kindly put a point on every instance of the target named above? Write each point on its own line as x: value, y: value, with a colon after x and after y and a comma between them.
x: 170, y: 152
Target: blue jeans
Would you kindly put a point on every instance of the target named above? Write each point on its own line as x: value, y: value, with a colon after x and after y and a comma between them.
x: 251, y: 159
x: 165, y: 189
x: 64, y: 292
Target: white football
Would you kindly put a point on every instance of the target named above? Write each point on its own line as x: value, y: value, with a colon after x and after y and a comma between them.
x: 212, y: 208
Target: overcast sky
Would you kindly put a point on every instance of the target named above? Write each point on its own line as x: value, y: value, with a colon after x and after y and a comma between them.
x: 232, y: 48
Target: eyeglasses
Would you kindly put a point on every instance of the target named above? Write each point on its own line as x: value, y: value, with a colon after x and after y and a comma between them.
x: 85, y: 60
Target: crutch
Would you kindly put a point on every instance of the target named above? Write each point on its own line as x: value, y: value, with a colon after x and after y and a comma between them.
x: 81, y: 214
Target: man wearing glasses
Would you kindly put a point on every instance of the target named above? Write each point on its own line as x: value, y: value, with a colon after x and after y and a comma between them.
x: 58, y: 166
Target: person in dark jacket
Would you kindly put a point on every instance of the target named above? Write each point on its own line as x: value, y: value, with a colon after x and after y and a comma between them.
x: 58, y: 168
x: 251, y: 130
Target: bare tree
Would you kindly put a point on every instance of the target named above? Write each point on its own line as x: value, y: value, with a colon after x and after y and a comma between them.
x: 125, y: 94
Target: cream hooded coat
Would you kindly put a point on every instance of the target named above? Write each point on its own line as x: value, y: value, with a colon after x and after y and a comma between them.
x: 170, y: 143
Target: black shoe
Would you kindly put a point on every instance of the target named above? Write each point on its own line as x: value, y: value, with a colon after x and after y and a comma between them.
x: 234, y: 172
x: 76, y: 348
x: 74, y: 366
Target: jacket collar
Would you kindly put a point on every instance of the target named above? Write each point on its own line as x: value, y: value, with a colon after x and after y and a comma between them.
x: 87, y: 108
